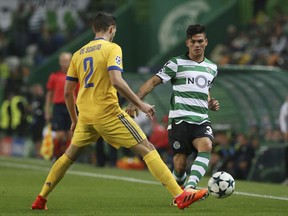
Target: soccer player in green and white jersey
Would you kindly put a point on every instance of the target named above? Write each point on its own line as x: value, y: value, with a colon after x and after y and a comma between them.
x: 189, y: 130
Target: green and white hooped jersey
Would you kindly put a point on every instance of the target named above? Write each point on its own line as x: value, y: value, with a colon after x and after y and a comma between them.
x: 191, y: 82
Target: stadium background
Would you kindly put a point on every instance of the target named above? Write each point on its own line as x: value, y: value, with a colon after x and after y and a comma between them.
x: 151, y: 31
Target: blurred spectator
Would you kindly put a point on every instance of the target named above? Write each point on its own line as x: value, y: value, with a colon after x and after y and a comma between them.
x: 4, y: 72
x: 222, y: 153
x: 47, y: 45
x: 37, y: 102
x: 145, y: 123
x: 4, y: 44
x: 159, y: 137
x: 129, y: 159
x: 283, y: 119
x: 285, y: 182
x: 104, y: 154
x: 20, y: 20
x: 255, y: 44
x: 20, y: 118
x: 36, y: 22
x: 5, y: 115
x: 278, y: 39
x: 16, y: 81
x: 242, y: 159
x: 254, y: 131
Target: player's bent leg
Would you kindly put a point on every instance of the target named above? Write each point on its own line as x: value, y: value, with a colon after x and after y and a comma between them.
x: 56, y: 173
x: 157, y: 167
x: 161, y: 172
x: 197, y: 195
x: 179, y: 171
x: 201, y: 163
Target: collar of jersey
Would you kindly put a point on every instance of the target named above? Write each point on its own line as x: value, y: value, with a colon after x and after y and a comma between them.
x: 187, y: 56
x: 99, y: 39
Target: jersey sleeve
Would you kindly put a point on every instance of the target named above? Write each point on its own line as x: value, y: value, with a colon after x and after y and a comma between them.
x: 168, y: 71
x: 72, y: 71
x: 114, y: 59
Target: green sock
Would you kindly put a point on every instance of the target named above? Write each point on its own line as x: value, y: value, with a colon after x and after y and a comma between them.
x: 198, y: 169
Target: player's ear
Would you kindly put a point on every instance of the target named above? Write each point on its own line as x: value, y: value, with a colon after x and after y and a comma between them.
x: 111, y: 29
x: 187, y: 42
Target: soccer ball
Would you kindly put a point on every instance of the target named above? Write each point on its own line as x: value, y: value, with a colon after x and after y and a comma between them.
x: 221, y: 184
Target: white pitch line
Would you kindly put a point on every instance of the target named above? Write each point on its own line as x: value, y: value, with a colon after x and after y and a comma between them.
x: 78, y: 173
x: 261, y: 196
x: 96, y: 175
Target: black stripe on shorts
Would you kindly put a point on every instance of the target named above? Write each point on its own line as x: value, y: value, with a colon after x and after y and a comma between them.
x: 130, y: 127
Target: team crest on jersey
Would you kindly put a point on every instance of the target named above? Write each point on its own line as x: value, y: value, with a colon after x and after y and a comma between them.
x: 118, y: 60
x: 176, y: 145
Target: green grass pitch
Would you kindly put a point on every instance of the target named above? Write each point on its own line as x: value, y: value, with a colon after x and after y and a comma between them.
x: 86, y: 190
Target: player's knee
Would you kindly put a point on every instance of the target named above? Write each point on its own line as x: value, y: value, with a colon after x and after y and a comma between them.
x: 72, y: 152
x: 147, y: 145
x: 143, y: 148
x: 206, y: 147
x: 203, y: 144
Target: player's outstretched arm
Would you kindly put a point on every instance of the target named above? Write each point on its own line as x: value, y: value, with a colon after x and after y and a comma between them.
x: 144, y: 90
x: 122, y: 87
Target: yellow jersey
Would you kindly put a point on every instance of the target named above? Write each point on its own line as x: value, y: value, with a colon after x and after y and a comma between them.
x: 97, y: 98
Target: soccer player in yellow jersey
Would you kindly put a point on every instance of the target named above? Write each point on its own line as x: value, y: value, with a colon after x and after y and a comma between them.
x: 97, y: 67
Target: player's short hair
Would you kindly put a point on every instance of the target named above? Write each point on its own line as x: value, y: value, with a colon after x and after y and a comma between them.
x: 103, y: 21
x: 195, y: 29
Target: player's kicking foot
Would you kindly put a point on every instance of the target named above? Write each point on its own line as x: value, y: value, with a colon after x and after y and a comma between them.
x: 188, y: 197
x: 39, y: 203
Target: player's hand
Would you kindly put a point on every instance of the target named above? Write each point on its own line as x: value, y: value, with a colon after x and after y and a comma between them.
x: 213, y: 104
x: 73, y: 126
x: 148, y: 109
x: 132, y: 110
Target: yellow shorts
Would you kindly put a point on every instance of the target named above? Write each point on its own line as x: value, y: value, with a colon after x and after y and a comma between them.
x: 119, y: 131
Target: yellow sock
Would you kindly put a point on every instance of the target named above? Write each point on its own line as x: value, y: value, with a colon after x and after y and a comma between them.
x: 56, y: 173
x: 161, y: 172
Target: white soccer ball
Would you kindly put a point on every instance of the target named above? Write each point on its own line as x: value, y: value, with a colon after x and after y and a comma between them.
x: 221, y: 184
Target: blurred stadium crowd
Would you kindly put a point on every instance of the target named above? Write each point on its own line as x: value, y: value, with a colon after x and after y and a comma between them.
x: 33, y: 36
x: 264, y: 41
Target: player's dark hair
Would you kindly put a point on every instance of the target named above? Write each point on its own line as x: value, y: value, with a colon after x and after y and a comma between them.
x: 103, y: 21
x: 195, y: 29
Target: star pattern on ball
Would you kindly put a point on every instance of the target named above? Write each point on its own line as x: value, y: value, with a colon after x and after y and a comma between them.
x: 230, y: 183
x: 217, y: 180
x: 221, y: 193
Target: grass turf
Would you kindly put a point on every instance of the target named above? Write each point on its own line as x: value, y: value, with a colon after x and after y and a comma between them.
x: 87, y: 190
